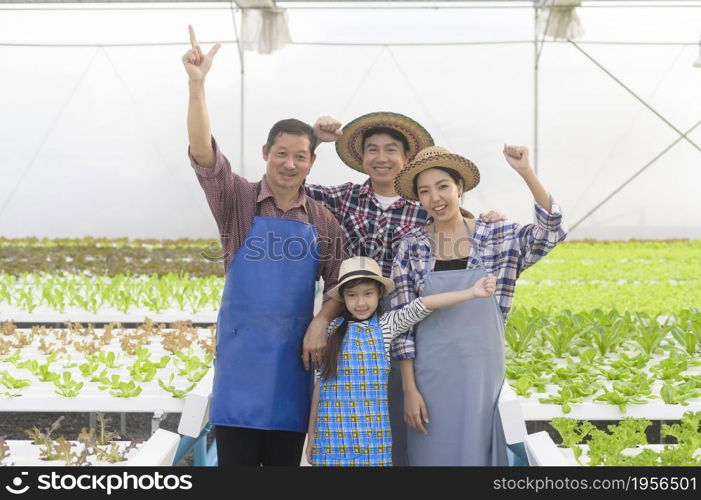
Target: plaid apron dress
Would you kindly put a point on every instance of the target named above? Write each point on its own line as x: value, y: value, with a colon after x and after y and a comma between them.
x: 352, y: 427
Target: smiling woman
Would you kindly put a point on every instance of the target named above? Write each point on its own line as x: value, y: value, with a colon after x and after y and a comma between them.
x: 454, y: 370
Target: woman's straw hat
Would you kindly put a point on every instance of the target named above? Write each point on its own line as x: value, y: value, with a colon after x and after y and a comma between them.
x: 360, y: 267
x: 435, y: 156
x: 350, y: 145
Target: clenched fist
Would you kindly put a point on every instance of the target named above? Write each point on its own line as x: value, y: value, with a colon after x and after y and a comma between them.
x: 327, y: 129
x: 517, y: 157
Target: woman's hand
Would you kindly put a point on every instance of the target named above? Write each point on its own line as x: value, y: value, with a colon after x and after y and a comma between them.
x: 517, y: 157
x: 415, y: 414
x: 485, y: 287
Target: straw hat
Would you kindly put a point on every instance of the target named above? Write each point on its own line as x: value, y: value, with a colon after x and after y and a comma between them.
x: 435, y: 156
x: 350, y: 146
x: 360, y: 267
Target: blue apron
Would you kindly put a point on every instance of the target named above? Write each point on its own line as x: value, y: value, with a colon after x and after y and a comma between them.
x: 268, y: 301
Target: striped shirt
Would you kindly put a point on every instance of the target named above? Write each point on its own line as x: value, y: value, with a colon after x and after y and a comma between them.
x: 233, y: 199
x: 506, y: 248
x: 370, y: 229
x: 392, y: 323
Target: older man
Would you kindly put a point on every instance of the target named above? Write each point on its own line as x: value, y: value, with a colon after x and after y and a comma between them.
x: 277, y: 242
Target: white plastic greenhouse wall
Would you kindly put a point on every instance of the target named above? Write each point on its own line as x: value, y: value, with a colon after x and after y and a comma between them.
x: 93, y: 107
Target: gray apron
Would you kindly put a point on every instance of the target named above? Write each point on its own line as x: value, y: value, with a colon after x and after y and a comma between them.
x: 459, y: 370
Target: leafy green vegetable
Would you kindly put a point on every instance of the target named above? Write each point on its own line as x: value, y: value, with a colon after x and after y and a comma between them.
x: 66, y: 386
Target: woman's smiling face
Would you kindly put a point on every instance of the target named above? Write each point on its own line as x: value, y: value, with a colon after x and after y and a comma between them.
x: 439, y: 194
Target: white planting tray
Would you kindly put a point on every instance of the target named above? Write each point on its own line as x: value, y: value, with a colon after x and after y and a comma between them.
x: 158, y: 450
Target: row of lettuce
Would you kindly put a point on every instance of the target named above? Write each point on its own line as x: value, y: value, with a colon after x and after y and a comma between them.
x: 618, y: 358
x: 191, y: 294
x: 625, y: 443
x: 187, y: 275
x: 120, y: 361
x: 570, y: 261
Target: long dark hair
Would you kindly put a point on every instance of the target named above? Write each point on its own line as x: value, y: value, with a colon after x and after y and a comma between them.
x: 456, y: 178
x: 329, y: 361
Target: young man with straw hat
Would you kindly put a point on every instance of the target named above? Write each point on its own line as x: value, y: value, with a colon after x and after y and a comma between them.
x: 373, y: 215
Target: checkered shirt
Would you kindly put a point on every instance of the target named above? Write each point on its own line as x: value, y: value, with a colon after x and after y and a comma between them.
x: 370, y: 230
x: 506, y: 249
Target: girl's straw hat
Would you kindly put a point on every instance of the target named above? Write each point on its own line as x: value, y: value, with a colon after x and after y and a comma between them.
x: 360, y: 267
x: 350, y: 146
x: 435, y: 156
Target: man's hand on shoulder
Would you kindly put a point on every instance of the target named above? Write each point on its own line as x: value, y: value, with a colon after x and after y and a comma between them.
x: 493, y: 216
x: 327, y: 129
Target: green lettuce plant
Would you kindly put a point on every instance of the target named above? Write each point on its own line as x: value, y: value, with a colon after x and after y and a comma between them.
x: 66, y: 386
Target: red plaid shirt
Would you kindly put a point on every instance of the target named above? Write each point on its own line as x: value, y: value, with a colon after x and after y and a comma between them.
x: 233, y: 200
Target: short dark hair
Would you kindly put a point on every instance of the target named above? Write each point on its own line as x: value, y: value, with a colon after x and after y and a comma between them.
x: 294, y: 127
x: 393, y: 133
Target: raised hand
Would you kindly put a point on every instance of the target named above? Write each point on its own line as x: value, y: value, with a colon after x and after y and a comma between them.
x: 517, y: 157
x: 485, y: 287
x: 196, y: 63
x: 327, y: 129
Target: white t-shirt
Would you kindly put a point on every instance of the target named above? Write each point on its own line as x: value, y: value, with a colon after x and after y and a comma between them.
x: 386, y: 201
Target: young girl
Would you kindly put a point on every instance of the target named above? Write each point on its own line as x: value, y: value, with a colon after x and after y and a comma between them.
x: 349, y: 421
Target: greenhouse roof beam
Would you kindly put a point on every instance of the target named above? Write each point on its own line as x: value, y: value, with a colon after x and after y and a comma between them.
x: 326, y: 4
x: 636, y: 174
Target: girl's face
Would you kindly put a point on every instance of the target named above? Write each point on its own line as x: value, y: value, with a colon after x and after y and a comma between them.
x: 361, y: 300
x: 439, y: 194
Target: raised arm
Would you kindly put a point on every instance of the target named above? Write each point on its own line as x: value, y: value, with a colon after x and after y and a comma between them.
x: 518, y: 158
x: 328, y: 129
x: 535, y: 240
x: 484, y: 287
x: 197, y: 65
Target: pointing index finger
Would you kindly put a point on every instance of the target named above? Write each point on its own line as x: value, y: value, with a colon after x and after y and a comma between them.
x: 193, y: 39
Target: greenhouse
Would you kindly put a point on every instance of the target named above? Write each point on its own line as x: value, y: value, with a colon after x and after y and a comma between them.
x: 113, y: 268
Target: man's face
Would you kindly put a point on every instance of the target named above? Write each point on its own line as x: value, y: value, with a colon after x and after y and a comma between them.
x: 289, y: 160
x: 383, y: 158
